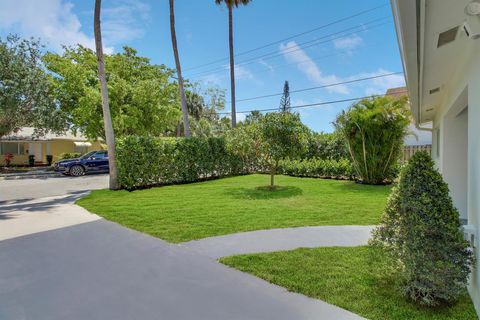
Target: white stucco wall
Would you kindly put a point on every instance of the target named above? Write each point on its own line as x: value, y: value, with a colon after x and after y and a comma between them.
x: 466, y: 80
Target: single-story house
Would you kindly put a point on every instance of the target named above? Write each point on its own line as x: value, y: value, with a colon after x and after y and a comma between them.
x: 24, y: 142
x: 439, y: 43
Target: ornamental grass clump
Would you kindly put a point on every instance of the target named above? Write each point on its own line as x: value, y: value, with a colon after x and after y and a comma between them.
x: 373, y: 130
x: 421, y: 230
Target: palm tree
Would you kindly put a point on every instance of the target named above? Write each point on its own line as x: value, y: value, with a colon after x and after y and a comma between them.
x: 109, y: 135
x: 181, y: 89
x: 230, y: 4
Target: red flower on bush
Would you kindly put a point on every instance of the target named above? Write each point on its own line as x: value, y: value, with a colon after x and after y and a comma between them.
x: 8, y: 158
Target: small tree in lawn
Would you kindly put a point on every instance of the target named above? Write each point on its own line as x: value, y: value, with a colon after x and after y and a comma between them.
x: 421, y: 230
x: 284, y: 136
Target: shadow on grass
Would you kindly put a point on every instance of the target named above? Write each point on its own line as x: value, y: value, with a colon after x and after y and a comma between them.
x: 265, y: 192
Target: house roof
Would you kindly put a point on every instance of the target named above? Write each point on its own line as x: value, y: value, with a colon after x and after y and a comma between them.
x: 432, y: 45
x: 28, y: 134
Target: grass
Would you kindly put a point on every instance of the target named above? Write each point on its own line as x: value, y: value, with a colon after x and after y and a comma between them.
x: 180, y: 213
x: 352, y: 278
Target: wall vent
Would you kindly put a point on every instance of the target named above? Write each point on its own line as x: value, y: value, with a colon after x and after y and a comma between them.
x: 434, y: 90
x: 428, y: 110
x: 447, y: 36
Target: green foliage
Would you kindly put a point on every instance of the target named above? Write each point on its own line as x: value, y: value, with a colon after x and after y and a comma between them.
x: 69, y: 155
x: 31, y: 160
x: 237, y: 204
x: 326, y: 146
x: 283, y: 136
x: 354, y: 278
x: 317, y: 168
x: 147, y: 161
x: 421, y: 230
x: 49, y: 159
x: 143, y: 100
x: 25, y: 90
x: 246, y: 143
x: 374, y: 130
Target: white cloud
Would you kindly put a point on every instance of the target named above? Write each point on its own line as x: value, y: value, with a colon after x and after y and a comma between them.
x: 241, y: 116
x: 381, y: 85
x: 51, y: 20
x: 56, y: 23
x: 124, y: 20
x: 266, y: 65
x: 294, y: 54
x: 240, y: 72
x: 347, y: 43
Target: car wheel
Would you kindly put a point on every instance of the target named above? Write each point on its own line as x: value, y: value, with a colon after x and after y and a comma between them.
x: 77, y: 171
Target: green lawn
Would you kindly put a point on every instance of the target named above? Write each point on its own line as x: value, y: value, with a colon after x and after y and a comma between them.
x: 192, y: 211
x: 352, y: 278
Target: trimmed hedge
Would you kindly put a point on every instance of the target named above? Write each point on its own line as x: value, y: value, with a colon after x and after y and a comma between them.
x: 318, y: 168
x: 69, y: 155
x: 146, y: 161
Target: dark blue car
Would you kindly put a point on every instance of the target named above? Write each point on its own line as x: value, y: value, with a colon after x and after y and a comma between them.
x: 92, y: 162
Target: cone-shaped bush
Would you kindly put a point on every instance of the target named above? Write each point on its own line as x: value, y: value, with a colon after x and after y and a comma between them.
x: 421, y: 229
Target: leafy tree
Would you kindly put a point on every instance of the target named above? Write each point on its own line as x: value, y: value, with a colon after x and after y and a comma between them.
x: 421, y: 230
x: 374, y: 129
x: 283, y: 136
x: 285, y: 101
x: 246, y: 143
x: 26, y: 97
x: 143, y: 100
x: 253, y: 117
x: 109, y: 134
x: 230, y: 4
x: 181, y: 89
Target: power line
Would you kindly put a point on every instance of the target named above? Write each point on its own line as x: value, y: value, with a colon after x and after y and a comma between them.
x: 293, y: 36
x: 300, y: 46
x: 320, y: 87
x: 315, y: 104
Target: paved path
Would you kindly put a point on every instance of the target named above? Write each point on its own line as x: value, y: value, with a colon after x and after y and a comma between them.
x: 58, y: 261
x: 27, y: 189
x: 280, y: 239
x: 100, y: 270
x: 19, y: 217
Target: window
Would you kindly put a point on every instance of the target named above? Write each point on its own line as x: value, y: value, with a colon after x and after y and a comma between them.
x: 14, y: 148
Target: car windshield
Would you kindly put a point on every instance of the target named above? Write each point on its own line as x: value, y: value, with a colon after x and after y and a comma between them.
x: 87, y: 155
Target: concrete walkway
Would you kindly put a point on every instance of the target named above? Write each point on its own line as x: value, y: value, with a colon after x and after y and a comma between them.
x: 59, y: 261
x: 280, y: 239
x: 100, y: 270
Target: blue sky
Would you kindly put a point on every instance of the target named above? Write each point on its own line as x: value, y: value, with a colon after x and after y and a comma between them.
x: 358, y: 47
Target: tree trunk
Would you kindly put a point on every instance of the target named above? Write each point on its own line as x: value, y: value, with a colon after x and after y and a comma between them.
x: 232, y: 65
x: 109, y: 134
x: 273, y: 170
x: 181, y: 88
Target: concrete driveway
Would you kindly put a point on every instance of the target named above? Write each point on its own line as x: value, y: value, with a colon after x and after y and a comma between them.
x: 23, y: 189
x: 58, y: 261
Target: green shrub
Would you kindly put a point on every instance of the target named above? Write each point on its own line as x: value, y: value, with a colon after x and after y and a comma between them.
x: 421, y: 230
x: 326, y: 146
x: 31, y: 160
x: 49, y: 159
x: 245, y: 142
x: 69, y: 155
x: 374, y: 130
x: 146, y: 161
x: 317, y: 168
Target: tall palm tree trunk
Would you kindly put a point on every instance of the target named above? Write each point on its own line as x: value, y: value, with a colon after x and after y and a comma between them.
x: 232, y: 65
x: 181, y: 89
x: 109, y: 135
